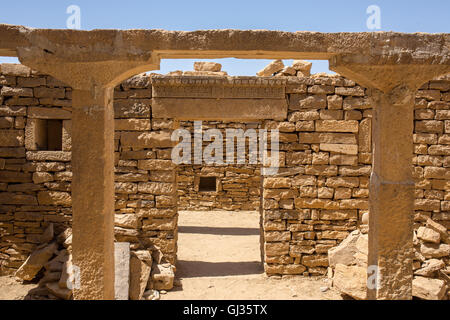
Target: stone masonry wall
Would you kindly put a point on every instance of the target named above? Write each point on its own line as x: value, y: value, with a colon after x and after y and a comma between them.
x: 321, y: 192
x: 317, y: 198
x: 237, y: 186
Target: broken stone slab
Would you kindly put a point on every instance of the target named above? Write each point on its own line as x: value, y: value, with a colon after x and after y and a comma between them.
x: 122, y: 270
x: 162, y: 276
x: 428, y: 289
x: 62, y: 237
x: 289, y: 71
x: 207, y: 66
x: 428, y: 235
x: 61, y: 293
x: 35, y: 262
x: 351, y: 280
x: 438, y: 228
x: 271, y: 68
x: 429, y: 267
x: 303, y: 66
x: 345, y: 252
x: 139, y: 275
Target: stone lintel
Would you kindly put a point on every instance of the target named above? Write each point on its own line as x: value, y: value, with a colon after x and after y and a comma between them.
x: 219, y: 109
x: 252, y: 44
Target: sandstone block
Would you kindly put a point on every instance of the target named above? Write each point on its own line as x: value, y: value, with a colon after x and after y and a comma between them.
x: 428, y: 235
x: 337, y: 126
x: 139, y: 275
x: 351, y: 280
x: 271, y: 68
x: 122, y: 270
x: 428, y: 289
x: 35, y: 262
x: 129, y: 221
x: 162, y: 277
x: 14, y: 69
x: 302, y: 66
x: 48, y: 113
x: 54, y: 198
x: 207, y: 66
x: 146, y: 139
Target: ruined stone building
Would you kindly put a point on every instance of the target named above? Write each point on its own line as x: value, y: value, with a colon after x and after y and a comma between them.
x: 318, y: 197
x: 64, y: 167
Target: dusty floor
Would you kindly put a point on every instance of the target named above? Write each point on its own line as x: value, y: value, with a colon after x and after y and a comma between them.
x: 10, y: 289
x: 219, y: 258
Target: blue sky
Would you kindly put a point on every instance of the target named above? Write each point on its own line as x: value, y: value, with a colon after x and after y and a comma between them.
x: 431, y: 16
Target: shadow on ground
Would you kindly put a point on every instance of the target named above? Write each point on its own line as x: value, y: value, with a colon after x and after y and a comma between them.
x: 219, y: 231
x: 196, y: 269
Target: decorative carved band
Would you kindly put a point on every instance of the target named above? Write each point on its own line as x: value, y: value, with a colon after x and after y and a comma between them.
x: 218, y: 87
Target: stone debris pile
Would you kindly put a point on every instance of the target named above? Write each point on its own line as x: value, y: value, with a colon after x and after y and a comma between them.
x: 299, y: 68
x: 348, y: 263
x: 202, y: 68
x: 146, y: 272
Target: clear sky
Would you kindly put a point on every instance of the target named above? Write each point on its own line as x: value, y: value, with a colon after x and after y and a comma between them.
x: 431, y: 16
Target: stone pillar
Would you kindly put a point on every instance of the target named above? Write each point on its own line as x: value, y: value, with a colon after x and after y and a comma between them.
x: 392, y: 193
x: 392, y: 82
x: 92, y: 76
x: 93, y: 192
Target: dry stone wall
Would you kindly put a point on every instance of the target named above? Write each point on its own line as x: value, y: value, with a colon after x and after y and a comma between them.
x: 237, y: 186
x: 311, y: 205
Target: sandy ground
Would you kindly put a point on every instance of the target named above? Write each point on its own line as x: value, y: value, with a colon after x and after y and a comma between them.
x: 10, y: 289
x: 219, y: 258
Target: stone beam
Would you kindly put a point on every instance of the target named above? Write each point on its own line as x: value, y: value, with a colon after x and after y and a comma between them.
x: 101, y: 45
x: 392, y: 93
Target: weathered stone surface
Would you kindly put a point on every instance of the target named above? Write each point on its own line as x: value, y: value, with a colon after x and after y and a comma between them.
x: 139, y: 275
x: 146, y: 139
x: 129, y: 221
x: 271, y: 68
x: 430, y: 267
x: 433, y: 250
x: 302, y: 66
x: 207, y: 66
x: 54, y: 198
x: 429, y: 235
x: 351, y: 280
x: 345, y: 252
x: 428, y: 289
x: 35, y: 262
x: 122, y: 270
x: 162, y: 277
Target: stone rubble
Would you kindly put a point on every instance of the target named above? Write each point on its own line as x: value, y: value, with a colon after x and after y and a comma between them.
x: 348, y: 264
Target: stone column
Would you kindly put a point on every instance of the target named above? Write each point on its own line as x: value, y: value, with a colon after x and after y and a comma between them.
x: 93, y: 191
x: 92, y: 80
x: 392, y: 193
x: 392, y: 82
